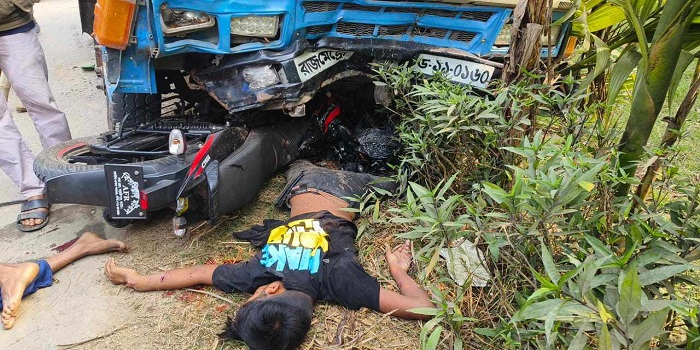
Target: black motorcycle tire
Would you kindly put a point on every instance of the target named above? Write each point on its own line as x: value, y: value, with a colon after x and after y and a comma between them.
x: 141, y: 108
x: 53, y: 162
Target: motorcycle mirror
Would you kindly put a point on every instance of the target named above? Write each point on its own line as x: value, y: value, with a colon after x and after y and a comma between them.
x: 176, y: 142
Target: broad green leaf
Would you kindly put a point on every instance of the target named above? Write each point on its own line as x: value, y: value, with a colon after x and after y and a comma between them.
x: 425, y: 311
x: 579, y: 342
x: 655, y: 305
x: 604, y: 341
x: 549, y: 325
x: 605, y: 315
x: 544, y: 281
x: 539, y: 293
x: 602, y: 61
x: 434, y: 339
x: 630, y: 296
x: 375, y: 214
x: 568, y: 309
x: 651, y: 327
x: 588, y: 186
x: 644, y: 8
x: 661, y: 273
x: 590, y: 270
x: 636, y: 23
x: 427, y: 327
x: 605, y: 16
x: 495, y: 192
x: 599, y: 247
x: 621, y: 72
x: 458, y: 345
x: 433, y: 261
x: 549, y: 265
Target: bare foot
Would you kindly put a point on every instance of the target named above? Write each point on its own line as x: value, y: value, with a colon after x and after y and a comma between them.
x: 92, y: 244
x: 119, y: 275
x: 34, y: 222
x: 14, y: 279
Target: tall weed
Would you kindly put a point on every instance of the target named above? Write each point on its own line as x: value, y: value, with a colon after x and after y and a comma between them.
x: 571, y: 266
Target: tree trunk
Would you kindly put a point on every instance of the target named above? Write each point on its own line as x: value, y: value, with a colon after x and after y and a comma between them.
x: 654, y: 78
x: 671, y: 135
x: 529, y: 22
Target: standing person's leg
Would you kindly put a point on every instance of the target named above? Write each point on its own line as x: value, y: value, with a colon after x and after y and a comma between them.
x: 19, y: 280
x: 22, y: 60
x: 17, y: 161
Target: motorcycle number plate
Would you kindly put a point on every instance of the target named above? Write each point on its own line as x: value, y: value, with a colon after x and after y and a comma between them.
x: 124, y: 184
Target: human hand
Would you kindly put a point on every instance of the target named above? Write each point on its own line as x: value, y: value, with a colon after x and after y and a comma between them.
x: 399, y: 257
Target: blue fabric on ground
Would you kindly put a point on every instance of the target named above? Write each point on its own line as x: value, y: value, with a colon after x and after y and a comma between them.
x: 43, y: 279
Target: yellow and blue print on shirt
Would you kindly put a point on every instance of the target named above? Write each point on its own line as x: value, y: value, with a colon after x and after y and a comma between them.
x: 295, y: 246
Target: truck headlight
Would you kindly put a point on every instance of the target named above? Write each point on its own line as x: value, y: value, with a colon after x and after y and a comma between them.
x: 554, y: 33
x: 176, y: 21
x: 260, y: 77
x: 504, y: 37
x: 258, y: 26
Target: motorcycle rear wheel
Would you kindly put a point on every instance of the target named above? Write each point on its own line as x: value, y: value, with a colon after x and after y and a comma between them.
x: 59, y: 160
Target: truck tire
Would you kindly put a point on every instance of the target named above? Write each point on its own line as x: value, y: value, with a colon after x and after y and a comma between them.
x: 53, y: 162
x: 141, y: 108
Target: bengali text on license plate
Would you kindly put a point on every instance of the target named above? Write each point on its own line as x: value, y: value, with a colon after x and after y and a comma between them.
x: 460, y: 71
x: 312, y: 63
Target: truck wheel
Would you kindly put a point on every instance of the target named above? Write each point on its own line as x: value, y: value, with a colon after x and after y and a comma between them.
x: 140, y: 108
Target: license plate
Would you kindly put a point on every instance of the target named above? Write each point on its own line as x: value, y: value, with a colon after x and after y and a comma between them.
x: 124, y: 184
x: 460, y: 71
x: 312, y: 63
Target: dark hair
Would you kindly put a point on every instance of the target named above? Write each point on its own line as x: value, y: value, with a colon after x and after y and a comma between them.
x: 276, y: 322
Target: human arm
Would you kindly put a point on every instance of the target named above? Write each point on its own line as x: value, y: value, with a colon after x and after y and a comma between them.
x: 411, y: 294
x: 173, y: 279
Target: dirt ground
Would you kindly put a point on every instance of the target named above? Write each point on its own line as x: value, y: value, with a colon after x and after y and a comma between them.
x: 82, y: 310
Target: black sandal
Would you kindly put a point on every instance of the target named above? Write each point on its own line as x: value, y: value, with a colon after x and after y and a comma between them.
x: 41, y: 215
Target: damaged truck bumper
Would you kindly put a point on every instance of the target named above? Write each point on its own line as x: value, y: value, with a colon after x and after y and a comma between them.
x: 288, y: 78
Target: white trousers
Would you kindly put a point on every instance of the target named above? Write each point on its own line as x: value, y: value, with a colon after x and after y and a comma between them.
x: 22, y: 60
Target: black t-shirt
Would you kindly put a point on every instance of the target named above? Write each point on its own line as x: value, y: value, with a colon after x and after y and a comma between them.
x: 312, y: 253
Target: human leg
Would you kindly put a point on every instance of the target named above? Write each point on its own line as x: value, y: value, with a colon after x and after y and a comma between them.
x: 173, y: 279
x: 88, y: 244
x: 22, y: 60
x: 19, y: 280
x: 14, y: 280
x: 17, y: 161
x: 311, y: 188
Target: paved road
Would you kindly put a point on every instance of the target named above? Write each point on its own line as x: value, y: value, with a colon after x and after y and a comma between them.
x: 78, y: 307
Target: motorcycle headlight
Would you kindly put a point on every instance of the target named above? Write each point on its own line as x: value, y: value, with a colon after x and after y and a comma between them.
x: 258, y: 26
x: 176, y: 21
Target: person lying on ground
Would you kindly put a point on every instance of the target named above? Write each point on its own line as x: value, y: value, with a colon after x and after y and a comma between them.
x: 19, y: 280
x: 311, y: 256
